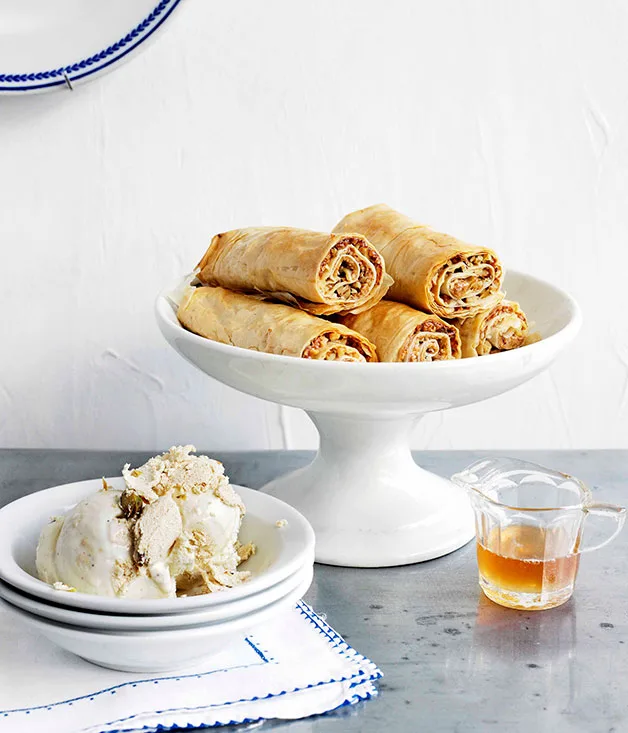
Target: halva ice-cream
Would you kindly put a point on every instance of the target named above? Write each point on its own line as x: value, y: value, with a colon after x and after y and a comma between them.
x: 173, y: 530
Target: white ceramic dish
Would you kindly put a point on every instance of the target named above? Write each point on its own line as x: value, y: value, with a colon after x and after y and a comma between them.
x: 53, y: 45
x: 280, y: 551
x: 118, y: 622
x: 369, y: 503
x: 154, y: 651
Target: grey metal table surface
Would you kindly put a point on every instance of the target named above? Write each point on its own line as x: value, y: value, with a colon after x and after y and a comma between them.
x: 452, y: 660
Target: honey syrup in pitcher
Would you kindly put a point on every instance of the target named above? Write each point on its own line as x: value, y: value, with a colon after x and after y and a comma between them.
x: 518, y: 564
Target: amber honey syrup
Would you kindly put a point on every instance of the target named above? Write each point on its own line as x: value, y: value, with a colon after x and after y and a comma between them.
x: 521, y: 566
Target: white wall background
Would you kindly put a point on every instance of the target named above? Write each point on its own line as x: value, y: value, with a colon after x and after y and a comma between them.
x: 500, y: 121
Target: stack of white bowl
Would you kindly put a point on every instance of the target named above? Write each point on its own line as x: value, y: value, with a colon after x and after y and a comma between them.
x: 160, y: 634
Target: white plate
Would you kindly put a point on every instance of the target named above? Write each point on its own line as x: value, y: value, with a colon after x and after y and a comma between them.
x: 110, y: 622
x: 45, y: 42
x: 280, y: 551
x: 154, y: 651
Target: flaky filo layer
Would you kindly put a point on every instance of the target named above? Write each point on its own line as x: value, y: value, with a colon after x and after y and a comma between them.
x: 401, y: 333
x: 501, y: 328
x: 274, y: 328
x: 432, y: 271
x: 317, y: 272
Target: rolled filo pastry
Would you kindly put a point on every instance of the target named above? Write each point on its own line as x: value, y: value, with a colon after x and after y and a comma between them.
x: 501, y: 328
x: 317, y: 272
x: 401, y: 333
x: 433, y: 272
x: 274, y: 328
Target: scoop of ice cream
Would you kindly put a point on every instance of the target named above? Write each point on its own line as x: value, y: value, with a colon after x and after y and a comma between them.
x: 90, y: 549
x: 206, y: 555
x: 173, y: 529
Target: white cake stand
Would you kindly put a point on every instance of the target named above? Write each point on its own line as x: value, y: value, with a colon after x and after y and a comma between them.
x: 368, y: 501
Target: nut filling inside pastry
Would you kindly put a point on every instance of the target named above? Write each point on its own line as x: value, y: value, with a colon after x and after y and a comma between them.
x: 350, y: 270
x: 501, y: 328
x: 433, y: 340
x: 466, y: 282
x: 333, y: 346
x: 504, y: 330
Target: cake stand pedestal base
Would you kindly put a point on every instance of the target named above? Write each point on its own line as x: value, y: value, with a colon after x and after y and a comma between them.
x: 369, y: 502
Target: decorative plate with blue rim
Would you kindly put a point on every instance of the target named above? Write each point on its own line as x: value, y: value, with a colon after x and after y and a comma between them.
x: 46, y: 45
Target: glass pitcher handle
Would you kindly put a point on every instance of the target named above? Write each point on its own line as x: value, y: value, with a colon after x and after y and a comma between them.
x: 608, y: 511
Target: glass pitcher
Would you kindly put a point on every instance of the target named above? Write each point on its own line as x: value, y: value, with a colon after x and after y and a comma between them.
x: 529, y: 523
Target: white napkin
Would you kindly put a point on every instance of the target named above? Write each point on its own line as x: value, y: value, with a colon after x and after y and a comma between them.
x: 293, y: 667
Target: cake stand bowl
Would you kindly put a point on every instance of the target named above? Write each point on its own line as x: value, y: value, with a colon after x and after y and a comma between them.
x: 370, y: 504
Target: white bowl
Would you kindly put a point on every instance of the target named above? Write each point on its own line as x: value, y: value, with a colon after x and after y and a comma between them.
x: 117, y: 622
x: 154, y: 651
x: 281, y: 551
x: 369, y: 503
x: 387, y: 389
